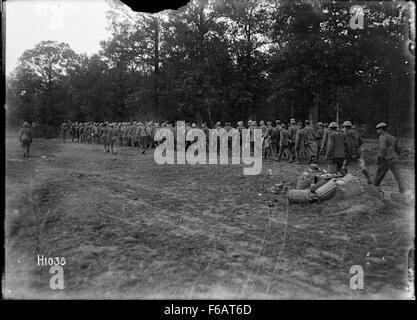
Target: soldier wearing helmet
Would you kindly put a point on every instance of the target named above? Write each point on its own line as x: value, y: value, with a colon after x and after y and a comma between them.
x: 337, y: 148
x: 354, y: 141
x: 64, y: 131
x: 263, y: 127
x: 388, y: 157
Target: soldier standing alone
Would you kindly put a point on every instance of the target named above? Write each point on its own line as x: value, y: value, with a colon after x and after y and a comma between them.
x: 25, y: 138
x: 388, y: 157
x: 64, y: 129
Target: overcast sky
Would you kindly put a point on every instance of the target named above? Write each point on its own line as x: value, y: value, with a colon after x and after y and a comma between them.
x: 80, y: 23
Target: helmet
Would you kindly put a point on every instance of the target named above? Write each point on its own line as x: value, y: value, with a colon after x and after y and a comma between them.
x: 381, y: 125
x: 347, y: 124
x: 333, y: 125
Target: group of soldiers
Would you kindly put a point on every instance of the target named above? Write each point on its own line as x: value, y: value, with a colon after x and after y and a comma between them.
x: 299, y: 142
x: 111, y: 134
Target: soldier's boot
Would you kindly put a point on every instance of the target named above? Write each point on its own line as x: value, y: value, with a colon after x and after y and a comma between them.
x: 367, y: 176
x: 297, y: 159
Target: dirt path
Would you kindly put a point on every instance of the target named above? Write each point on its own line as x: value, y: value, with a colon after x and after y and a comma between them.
x: 129, y: 228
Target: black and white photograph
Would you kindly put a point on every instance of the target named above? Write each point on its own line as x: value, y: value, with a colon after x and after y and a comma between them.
x: 218, y: 150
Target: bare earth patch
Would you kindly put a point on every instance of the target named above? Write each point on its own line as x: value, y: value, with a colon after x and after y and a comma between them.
x: 130, y: 228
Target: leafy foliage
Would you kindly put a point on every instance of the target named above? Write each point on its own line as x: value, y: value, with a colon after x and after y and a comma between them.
x: 227, y: 60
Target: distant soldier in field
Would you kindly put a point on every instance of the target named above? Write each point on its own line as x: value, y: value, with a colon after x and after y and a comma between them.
x: 124, y: 134
x: 25, y: 138
x: 354, y: 141
x: 253, y: 125
x: 131, y: 134
x: 284, y: 144
x: 140, y: 135
x: 119, y: 128
x: 310, y: 143
x: 292, y: 131
x: 263, y: 127
x: 268, y: 137
x: 388, y: 157
x: 104, y: 136
x: 319, y: 138
x: 278, y: 124
x: 112, y: 137
x: 326, y: 132
x: 99, y: 129
x: 300, y: 143
x: 72, y: 131
x: 357, y: 152
x: 94, y: 133
x: 149, y: 132
x: 87, y: 132
x: 64, y: 131
x: 81, y: 132
x: 274, y: 133
x: 337, y: 147
x: 77, y: 131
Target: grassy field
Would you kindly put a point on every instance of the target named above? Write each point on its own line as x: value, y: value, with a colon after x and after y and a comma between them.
x: 129, y: 228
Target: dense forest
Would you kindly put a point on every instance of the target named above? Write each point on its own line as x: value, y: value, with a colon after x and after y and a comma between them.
x: 228, y: 60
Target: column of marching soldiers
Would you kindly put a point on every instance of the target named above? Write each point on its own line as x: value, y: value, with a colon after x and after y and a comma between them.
x: 298, y: 142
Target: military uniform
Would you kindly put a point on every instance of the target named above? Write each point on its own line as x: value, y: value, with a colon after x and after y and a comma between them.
x: 319, y: 134
x: 337, y: 148
x: 64, y: 129
x: 284, y: 144
x: 25, y: 138
x: 292, y: 131
x: 310, y: 143
x: 300, y: 144
x: 104, y: 136
x: 112, y: 138
x: 72, y: 131
x: 388, y: 158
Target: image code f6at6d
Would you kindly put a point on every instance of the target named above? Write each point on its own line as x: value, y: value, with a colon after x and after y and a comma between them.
x: 229, y: 309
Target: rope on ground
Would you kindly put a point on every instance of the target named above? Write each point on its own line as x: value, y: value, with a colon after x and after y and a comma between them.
x: 278, y: 262
x: 267, y: 232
